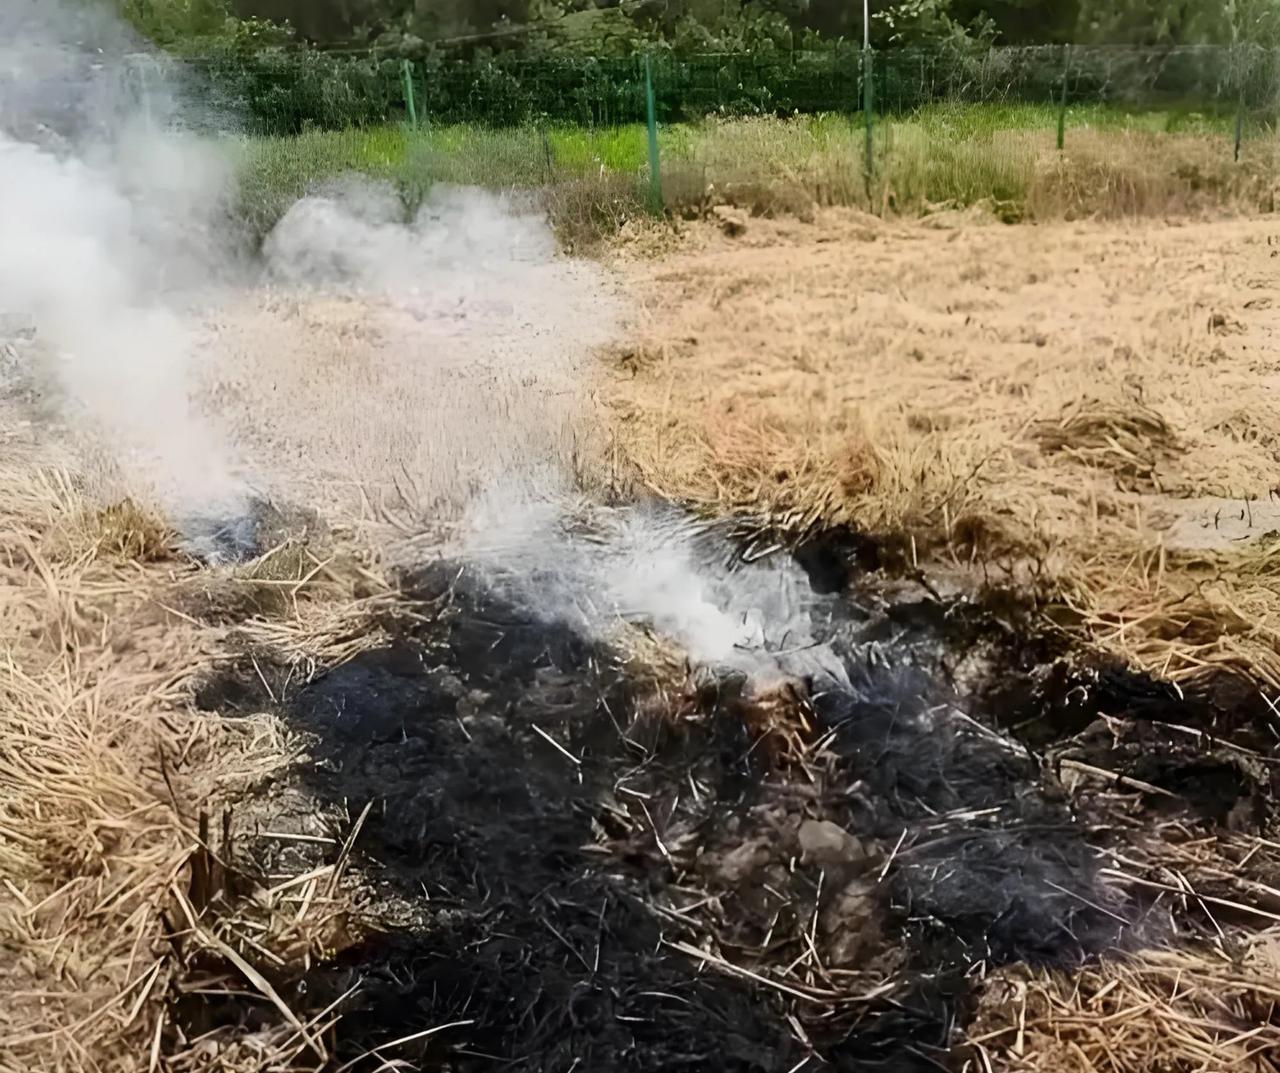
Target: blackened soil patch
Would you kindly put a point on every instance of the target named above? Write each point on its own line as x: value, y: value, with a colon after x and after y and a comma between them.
x: 259, y: 527
x: 574, y: 883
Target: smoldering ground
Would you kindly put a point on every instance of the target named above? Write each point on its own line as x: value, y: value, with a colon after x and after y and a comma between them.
x: 799, y: 847
x: 564, y: 872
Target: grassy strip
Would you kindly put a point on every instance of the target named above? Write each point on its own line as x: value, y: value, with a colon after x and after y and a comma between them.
x: 1116, y: 161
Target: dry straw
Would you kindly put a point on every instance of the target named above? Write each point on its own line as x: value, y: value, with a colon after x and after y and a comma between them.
x: 1033, y: 404
x: 1157, y: 1009
x: 110, y: 882
x: 1077, y: 410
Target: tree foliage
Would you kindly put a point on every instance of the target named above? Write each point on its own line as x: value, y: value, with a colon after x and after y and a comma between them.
x: 610, y: 27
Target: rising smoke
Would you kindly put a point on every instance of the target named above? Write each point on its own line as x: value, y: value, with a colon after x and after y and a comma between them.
x: 470, y: 259
x: 109, y: 226
x: 599, y: 569
x: 118, y: 249
x: 459, y: 246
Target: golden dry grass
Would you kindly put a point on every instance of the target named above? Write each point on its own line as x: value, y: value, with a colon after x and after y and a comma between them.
x: 92, y: 836
x: 1086, y: 410
x: 1124, y: 174
x: 1005, y: 440
x: 107, y: 876
x: 1177, y: 1005
x: 1089, y: 406
x: 1179, y: 1011
x: 934, y: 160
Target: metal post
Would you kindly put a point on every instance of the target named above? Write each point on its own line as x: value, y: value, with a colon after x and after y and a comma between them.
x: 867, y: 102
x: 1239, y: 73
x: 1062, y: 102
x: 866, y: 89
x: 406, y: 75
x: 1239, y: 125
x: 655, y: 167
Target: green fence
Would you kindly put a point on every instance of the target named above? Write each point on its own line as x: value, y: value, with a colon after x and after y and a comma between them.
x: 1032, y: 130
x: 283, y: 92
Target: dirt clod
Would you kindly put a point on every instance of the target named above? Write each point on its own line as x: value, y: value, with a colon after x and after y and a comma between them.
x: 827, y: 843
x: 737, y: 865
x: 732, y: 221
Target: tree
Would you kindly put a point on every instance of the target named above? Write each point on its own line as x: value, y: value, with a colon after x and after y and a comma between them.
x: 1174, y: 22
x: 171, y: 20
x: 1023, y: 22
x: 611, y: 26
x: 335, y: 21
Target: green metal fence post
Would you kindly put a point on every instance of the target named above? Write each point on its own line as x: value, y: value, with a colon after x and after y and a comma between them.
x: 548, y: 158
x: 1239, y: 124
x: 1062, y: 101
x: 867, y: 121
x: 406, y: 76
x: 1239, y: 76
x: 655, y: 167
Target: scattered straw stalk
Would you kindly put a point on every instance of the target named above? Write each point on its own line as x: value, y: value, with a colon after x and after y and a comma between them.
x: 106, y: 773
x: 1179, y: 1011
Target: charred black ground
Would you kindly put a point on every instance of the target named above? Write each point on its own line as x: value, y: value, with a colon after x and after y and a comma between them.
x: 252, y: 532
x: 579, y: 880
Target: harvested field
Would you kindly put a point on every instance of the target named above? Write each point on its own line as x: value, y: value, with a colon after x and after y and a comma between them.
x: 858, y: 663
x: 1074, y: 412
x: 881, y: 765
x: 1083, y: 408
x: 848, y: 775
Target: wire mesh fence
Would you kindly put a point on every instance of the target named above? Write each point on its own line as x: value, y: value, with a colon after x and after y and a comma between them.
x: 286, y: 91
x: 1032, y: 130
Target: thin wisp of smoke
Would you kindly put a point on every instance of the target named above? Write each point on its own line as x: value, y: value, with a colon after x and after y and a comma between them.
x: 597, y: 569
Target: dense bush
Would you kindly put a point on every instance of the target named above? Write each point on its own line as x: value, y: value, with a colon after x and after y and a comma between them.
x: 754, y: 58
x: 285, y: 90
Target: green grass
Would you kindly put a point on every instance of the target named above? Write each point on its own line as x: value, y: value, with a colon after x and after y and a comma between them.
x: 952, y: 154
x: 275, y: 172
x: 617, y: 149
x: 969, y: 121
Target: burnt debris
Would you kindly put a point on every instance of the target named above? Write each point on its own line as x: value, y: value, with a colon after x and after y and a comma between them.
x: 575, y: 880
x: 247, y: 533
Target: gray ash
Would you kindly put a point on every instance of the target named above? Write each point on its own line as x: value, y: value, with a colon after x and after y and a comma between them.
x: 227, y: 539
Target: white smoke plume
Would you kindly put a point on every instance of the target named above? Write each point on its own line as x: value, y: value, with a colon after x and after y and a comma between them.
x: 459, y: 245
x: 411, y: 359
x: 447, y: 348
x: 596, y: 568
x: 108, y: 225
x: 469, y: 260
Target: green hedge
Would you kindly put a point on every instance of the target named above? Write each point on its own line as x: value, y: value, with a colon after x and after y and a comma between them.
x: 285, y: 91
